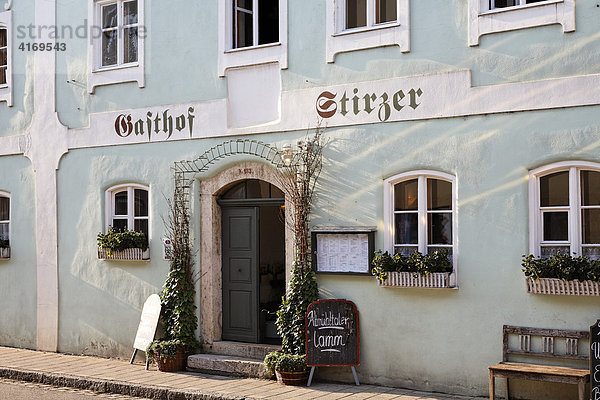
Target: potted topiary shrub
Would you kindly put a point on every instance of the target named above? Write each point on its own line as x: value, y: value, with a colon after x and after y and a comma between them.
x: 290, y: 369
x: 123, y: 245
x: 562, y: 274
x: 417, y: 270
x: 4, y: 249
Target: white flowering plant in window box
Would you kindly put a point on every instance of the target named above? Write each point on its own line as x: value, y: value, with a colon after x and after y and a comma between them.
x: 123, y: 245
x: 562, y: 274
x: 4, y: 249
x: 417, y: 270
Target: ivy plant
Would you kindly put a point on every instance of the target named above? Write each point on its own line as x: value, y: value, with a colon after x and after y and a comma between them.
x: 384, y: 262
x: 119, y: 240
x: 561, y: 266
x: 301, y: 292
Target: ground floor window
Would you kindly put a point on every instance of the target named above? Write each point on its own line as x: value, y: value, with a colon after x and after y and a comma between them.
x: 4, y: 220
x: 127, y: 208
x: 565, y: 209
x: 419, y: 210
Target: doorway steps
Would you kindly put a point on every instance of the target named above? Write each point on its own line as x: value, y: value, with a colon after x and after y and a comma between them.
x: 232, y: 359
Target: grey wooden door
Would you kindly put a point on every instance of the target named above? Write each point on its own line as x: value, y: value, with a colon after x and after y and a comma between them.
x: 240, y: 274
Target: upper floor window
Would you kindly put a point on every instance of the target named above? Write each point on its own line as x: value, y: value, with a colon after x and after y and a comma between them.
x: 363, y: 24
x: 3, y: 56
x: 419, y: 213
x: 490, y: 16
x: 119, y: 32
x: 6, y: 57
x: 565, y: 209
x: 363, y: 13
x: 255, y: 22
x: 117, y: 35
x: 127, y: 208
x: 510, y: 3
x: 252, y: 32
x: 4, y: 220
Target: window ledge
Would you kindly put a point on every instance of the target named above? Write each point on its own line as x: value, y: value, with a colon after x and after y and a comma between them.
x: 519, y: 17
x: 4, y: 253
x: 562, y: 287
x: 133, y: 254
x: 118, y: 74
x: 250, y: 48
x: 116, y: 67
x: 442, y: 280
x: 367, y: 29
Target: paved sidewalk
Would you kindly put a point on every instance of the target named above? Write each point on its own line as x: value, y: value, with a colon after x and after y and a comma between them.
x: 117, y: 376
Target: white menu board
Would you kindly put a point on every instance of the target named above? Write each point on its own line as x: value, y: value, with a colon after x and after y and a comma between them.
x: 344, y: 252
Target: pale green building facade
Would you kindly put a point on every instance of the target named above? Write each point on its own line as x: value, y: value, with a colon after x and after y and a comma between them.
x: 471, y: 104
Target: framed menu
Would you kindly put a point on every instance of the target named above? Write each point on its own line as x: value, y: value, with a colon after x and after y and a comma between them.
x: 342, y: 250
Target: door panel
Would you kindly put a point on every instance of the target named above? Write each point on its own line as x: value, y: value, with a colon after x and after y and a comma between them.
x: 240, y: 274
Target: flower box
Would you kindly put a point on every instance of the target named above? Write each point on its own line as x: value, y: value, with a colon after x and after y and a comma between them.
x: 562, y: 287
x: 133, y: 254
x: 4, y: 253
x: 412, y: 279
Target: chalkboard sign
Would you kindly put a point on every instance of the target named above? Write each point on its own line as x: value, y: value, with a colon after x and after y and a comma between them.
x: 342, y: 250
x: 595, y: 361
x: 332, y: 333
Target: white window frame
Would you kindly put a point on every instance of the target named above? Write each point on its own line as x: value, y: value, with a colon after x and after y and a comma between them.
x: 7, y: 195
x: 109, y: 201
x: 340, y: 39
x: 230, y: 57
x: 119, y: 73
x: 6, y: 90
x: 574, y: 209
x: 483, y: 20
x: 388, y: 207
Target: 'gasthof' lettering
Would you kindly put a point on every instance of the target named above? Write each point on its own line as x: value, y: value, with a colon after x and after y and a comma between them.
x: 159, y: 123
x: 383, y: 104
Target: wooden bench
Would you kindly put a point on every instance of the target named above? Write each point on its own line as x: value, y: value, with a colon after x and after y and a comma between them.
x: 568, y: 339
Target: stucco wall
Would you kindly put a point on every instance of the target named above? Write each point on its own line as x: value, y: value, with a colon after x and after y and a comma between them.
x: 18, y: 284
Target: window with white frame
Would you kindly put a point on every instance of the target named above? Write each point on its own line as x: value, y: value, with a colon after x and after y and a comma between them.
x: 419, y: 213
x: 565, y: 209
x: 117, y: 37
x: 369, y: 13
x: 255, y: 22
x: 127, y: 208
x: 363, y: 24
x: 4, y: 220
x: 6, y: 57
x: 252, y: 32
x: 490, y: 16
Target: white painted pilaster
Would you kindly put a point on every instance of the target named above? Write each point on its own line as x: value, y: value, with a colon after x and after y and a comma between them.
x: 45, y: 143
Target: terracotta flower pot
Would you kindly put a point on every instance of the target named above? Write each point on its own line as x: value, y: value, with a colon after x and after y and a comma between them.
x: 171, y: 364
x: 292, y: 378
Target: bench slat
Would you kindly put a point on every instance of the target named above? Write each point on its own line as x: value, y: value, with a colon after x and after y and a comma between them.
x: 548, y: 355
x: 540, y: 369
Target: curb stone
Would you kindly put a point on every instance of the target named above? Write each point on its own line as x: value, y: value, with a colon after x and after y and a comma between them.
x: 116, y: 387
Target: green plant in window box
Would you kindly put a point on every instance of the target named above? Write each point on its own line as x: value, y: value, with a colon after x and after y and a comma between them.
x: 424, y: 264
x: 119, y: 240
x: 4, y: 244
x: 562, y: 266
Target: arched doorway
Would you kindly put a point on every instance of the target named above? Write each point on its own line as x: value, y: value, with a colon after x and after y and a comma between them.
x: 253, y: 260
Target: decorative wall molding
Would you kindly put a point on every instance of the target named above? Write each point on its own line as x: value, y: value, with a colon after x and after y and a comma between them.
x: 441, y: 95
